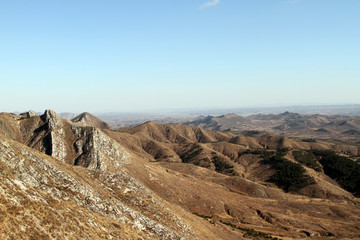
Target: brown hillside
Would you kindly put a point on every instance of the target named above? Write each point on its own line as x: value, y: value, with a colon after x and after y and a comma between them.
x: 159, y: 181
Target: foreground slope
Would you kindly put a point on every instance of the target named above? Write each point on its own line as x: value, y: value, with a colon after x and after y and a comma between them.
x: 43, y: 198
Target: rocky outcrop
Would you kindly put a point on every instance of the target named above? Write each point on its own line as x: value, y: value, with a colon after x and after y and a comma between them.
x: 52, y: 120
x: 28, y: 114
x: 73, y: 142
x: 95, y: 150
x: 54, y: 139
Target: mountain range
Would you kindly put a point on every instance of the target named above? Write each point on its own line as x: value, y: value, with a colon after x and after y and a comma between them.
x: 220, y: 178
x: 341, y: 128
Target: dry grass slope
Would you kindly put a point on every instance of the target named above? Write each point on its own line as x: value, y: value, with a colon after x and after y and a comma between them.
x: 159, y: 181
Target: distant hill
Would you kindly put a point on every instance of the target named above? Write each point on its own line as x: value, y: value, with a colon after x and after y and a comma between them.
x: 339, y: 127
x: 126, y: 119
x: 87, y: 119
x: 348, y: 110
x: 67, y: 115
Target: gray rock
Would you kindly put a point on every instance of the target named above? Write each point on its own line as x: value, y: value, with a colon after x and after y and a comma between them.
x: 95, y: 150
x: 28, y: 114
x: 53, y: 120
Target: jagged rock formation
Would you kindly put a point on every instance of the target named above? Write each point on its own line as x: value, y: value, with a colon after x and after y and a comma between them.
x: 74, y: 143
x: 158, y: 181
x: 54, y: 126
x: 95, y: 150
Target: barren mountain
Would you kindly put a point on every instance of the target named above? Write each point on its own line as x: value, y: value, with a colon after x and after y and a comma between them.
x: 81, y: 179
x: 86, y: 119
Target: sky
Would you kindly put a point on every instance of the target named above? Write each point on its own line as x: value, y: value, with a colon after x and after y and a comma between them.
x: 141, y: 55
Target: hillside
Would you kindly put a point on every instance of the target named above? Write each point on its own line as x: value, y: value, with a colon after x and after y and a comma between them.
x: 161, y: 181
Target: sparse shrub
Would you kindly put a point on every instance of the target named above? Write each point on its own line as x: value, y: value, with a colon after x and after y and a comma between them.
x: 308, y: 158
x: 289, y: 176
x: 204, y: 162
x: 282, y: 151
x: 308, y: 140
x: 221, y: 166
x: 266, y: 155
x: 189, y: 156
x: 342, y: 169
x: 254, y: 151
x: 158, y: 155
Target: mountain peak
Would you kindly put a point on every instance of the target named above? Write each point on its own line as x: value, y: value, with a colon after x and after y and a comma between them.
x: 230, y: 115
x: 88, y: 119
x: 83, y: 116
x: 53, y: 120
x: 49, y: 114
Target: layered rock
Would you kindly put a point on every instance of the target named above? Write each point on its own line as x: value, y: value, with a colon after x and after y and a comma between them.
x: 95, y: 150
x: 54, y: 139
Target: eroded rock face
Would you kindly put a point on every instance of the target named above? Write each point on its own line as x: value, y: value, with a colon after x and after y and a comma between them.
x: 72, y: 142
x: 95, y: 150
x: 52, y: 119
x: 54, y: 140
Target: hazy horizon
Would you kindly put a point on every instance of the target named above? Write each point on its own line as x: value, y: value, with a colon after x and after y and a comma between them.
x: 139, y: 56
x: 348, y: 109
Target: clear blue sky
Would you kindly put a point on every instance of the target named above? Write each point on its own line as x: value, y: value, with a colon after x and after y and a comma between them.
x: 135, y: 55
